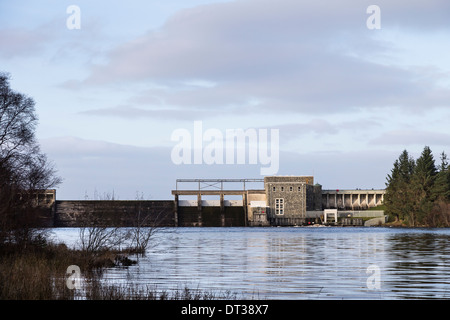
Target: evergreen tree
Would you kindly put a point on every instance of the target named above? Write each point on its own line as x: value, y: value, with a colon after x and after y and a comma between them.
x: 391, y: 192
x: 441, y: 188
x: 421, y: 191
x: 397, y: 201
x: 418, y: 192
x: 444, y: 162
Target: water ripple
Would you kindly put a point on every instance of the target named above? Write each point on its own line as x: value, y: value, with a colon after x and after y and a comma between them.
x: 297, y: 263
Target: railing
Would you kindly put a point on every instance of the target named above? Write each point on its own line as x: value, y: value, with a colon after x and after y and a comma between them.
x: 216, y: 184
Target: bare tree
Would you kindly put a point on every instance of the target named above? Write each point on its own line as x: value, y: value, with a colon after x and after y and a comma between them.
x: 24, y: 169
x: 96, y: 239
x: 142, y: 232
x: 98, y: 233
x: 130, y: 227
x: 145, y: 226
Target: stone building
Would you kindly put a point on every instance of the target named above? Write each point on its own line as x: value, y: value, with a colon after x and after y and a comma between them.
x: 288, y: 198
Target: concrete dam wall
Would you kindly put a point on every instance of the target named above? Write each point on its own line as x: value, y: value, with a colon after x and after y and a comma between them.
x: 113, y: 213
x: 147, y: 213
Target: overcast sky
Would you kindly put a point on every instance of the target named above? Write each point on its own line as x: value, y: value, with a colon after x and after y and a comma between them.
x: 346, y: 99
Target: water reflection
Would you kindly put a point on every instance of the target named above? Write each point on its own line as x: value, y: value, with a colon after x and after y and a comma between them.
x: 297, y: 263
x: 419, y: 265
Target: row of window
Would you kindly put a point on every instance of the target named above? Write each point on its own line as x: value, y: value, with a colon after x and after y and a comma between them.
x: 291, y: 188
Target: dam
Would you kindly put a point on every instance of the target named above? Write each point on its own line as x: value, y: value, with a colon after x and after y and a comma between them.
x: 274, y: 201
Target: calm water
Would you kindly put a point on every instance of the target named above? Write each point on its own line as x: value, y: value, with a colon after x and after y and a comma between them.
x: 295, y: 263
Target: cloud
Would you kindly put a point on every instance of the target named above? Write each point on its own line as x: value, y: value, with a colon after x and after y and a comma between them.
x: 320, y: 127
x: 169, y: 114
x: 286, y: 56
x: 89, y: 166
x: 412, y: 137
x: 21, y: 42
x: 70, y: 146
x: 307, y: 68
x: 130, y: 112
x: 296, y: 130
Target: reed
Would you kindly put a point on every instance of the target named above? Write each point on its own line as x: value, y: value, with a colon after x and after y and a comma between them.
x: 97, y: 291
x: 38, y: 272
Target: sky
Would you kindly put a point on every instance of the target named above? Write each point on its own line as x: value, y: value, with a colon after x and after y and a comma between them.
x: 115, y: 80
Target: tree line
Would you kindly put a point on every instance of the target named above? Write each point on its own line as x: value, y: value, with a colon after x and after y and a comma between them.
x: 418, y: 191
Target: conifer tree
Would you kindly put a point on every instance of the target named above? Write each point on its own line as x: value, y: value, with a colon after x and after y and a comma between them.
x: 418, y: 192
x: 397, y: 202
x: 441, y: 188
x: 421, y: 195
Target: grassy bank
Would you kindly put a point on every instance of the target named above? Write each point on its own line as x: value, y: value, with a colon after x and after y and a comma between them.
x: 38, y: 272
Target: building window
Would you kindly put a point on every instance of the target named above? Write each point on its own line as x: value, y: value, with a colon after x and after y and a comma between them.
x: 274, y: 189
x: 282, y: 188
x: 279, y: 206
x: 299, y: 189
x: 291, y: 188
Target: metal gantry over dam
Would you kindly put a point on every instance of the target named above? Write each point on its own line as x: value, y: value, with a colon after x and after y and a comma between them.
x: 214, y: 187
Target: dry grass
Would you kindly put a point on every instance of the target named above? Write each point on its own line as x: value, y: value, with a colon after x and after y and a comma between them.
x: 30, y: 274
x: 96, y: 291
x: 38, y: 272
